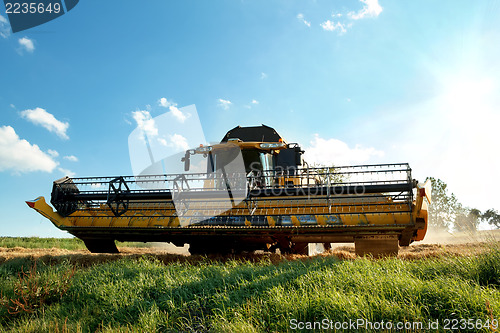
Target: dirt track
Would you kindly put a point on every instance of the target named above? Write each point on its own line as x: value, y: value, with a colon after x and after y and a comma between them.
x: 435, y: 245
x: 166, y: 255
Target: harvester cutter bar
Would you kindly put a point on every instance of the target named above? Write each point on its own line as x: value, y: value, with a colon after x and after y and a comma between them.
x: 140, y: 195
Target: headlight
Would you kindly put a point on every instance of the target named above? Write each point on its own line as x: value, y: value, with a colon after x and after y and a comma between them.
x: 204, y: 149
x: 272, y: 145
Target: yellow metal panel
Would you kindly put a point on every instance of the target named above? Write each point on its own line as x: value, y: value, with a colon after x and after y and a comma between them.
x: 99, y: 220
x: 174, y: 222
x: 320, y: 219
x: 44, y: 209
x: 271, y: 221
x: 138, y: 221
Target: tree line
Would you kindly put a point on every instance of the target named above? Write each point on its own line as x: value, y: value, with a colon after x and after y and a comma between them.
x: 446, y: 212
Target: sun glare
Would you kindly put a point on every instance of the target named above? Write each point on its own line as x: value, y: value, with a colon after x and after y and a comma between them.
x: 467, y: 93
x: 467, y: 111
x: 467, y: 100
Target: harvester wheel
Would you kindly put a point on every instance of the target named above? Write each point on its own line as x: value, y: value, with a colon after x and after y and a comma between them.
x: 101, y: 245
x: 376, y: 246
x: 300, y: 248
x: 203, y: 248
x: 198, y: 248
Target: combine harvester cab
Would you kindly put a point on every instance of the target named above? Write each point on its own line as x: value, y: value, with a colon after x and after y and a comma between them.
x: 274, y: 201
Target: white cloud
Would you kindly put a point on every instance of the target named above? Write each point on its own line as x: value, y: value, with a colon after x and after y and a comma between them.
x: 253, y: 102
x: 178, y: 114
x: 145, y: 122
x: 20, y: 156
x: 263, y: 76
x: 336, y: 152
x: 41, y: 117
x: 71, y: 158
x: 179, y: 141
x: 371, y: 8
x: 67, y: 172
x: 176, y: 141
x: 165, y: 103
x: 328, y: 25
x: 53, y: 153
x: 27, y: 44
x: 332, y: 26
x: 4, y: 27
x: 225, y: 104
x: 300, y: 17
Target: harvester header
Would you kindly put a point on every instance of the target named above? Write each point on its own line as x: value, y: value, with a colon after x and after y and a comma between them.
x: 252, y: 191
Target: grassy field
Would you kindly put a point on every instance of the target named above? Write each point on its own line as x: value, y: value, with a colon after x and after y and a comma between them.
x: 257, y: 293
x: 42, y: 243
x: 47, y: 243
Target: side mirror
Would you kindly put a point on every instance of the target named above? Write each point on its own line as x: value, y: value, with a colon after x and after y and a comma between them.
x: 187, y: 161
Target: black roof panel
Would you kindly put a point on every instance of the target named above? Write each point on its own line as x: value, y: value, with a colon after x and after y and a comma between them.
x: 261, y: 133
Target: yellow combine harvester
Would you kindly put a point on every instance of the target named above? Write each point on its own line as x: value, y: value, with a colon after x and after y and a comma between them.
x: 251, y: 192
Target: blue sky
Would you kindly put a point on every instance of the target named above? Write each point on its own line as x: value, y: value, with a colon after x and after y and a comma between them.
x: 353, y: 81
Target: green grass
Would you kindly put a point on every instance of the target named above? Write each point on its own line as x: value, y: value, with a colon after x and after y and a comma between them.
x: 61, y: 243
x: 241, y: 296
x: 42, y: 243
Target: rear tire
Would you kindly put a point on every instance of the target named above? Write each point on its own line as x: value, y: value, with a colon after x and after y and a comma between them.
x: 101, y: 245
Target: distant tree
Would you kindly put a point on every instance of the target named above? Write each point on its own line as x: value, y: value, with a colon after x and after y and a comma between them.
x: 492, y: 217
x: 329, y: 174
x: 445, y: 211
x: 444, y: 207
x: 466, y: 219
